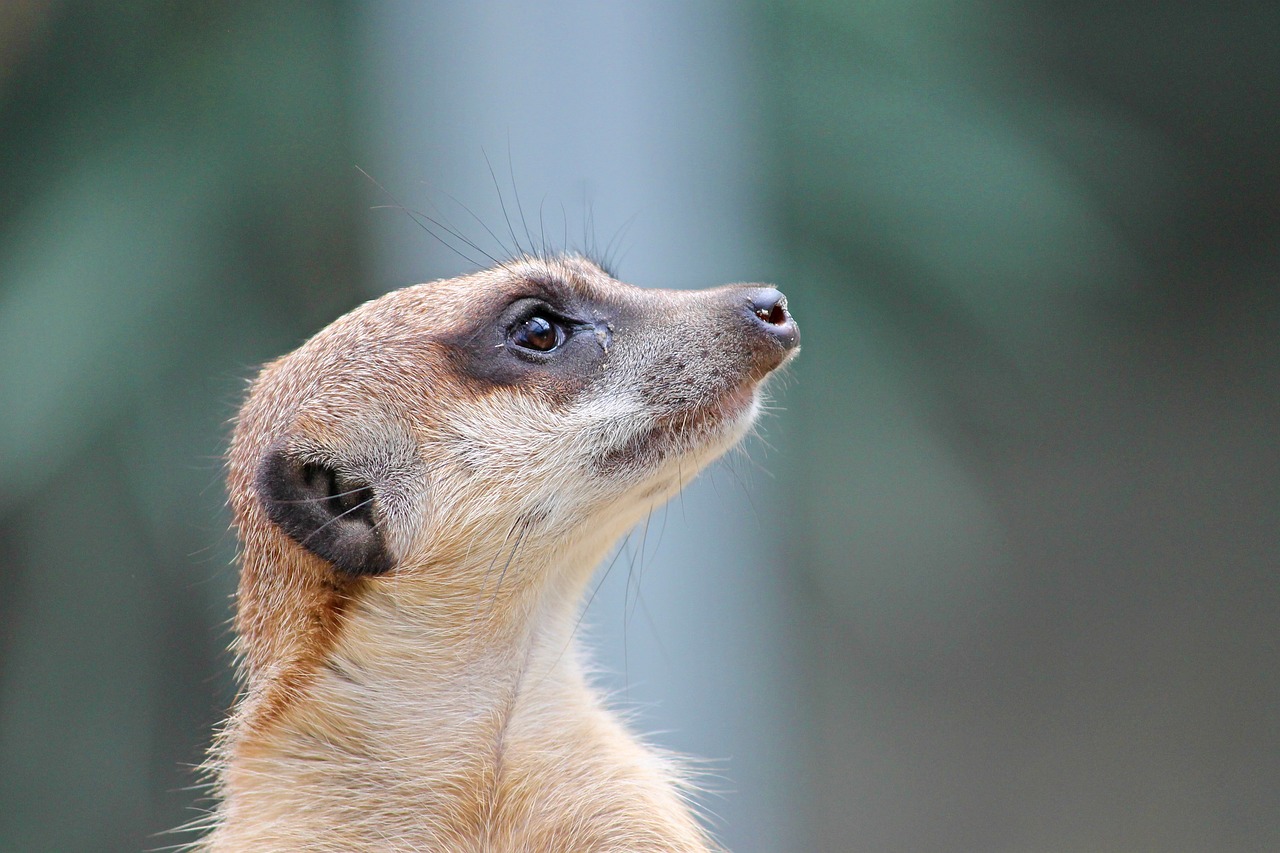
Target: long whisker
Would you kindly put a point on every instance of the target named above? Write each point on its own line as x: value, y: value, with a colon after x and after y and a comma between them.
x: 525, y: 524
x: 337, y: 517
x: 633, y: 575
x: 324, y: 498
x: 515, y: 191
x: 482, y: 224
x: 418, y: 217
x: 582, y: 614
x: 502, y: 203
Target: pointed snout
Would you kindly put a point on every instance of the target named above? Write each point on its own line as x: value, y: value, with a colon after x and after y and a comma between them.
x: 766, y: 332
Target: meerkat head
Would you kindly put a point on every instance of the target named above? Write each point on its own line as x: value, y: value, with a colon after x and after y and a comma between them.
x: 427, y: 432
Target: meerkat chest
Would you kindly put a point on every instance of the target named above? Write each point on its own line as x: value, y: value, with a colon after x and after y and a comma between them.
x: 396, y: 756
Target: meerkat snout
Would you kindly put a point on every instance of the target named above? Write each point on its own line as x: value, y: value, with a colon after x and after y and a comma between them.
x: 422, y: 491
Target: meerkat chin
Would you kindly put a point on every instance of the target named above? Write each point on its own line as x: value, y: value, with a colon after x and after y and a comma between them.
x: 422, y: 491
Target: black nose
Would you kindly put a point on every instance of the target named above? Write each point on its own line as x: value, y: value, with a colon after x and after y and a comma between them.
x: 768, y: 307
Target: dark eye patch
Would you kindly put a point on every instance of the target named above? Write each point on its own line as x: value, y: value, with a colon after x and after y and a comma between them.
x: 543, y: 339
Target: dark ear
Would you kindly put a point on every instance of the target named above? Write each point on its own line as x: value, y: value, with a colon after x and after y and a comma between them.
x: 329, y: 515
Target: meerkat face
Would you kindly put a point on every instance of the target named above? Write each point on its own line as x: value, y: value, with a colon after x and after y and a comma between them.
x: 541, y: 399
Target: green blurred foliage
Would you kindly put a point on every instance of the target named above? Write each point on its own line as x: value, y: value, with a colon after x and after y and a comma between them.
x: 177, y: 207
x: 1035, y: 259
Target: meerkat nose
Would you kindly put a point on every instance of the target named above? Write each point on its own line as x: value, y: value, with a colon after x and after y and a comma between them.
x: 768, y: 310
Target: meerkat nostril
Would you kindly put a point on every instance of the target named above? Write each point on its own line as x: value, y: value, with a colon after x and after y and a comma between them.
x: 775, y: 316
x: 766, y: 307
x: 768, y: 304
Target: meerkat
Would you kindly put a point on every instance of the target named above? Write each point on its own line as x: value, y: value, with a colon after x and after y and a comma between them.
x: 422, y: 492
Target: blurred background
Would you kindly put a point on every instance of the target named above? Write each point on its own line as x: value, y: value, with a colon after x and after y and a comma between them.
x: 999, y: 575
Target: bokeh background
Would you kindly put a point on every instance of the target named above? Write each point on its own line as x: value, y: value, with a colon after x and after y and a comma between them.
x: 999, y: 575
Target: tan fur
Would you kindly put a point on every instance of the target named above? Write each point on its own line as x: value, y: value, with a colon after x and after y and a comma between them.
x: 442, y: 706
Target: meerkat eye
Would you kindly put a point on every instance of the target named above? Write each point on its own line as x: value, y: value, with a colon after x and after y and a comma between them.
x: 537, y: 333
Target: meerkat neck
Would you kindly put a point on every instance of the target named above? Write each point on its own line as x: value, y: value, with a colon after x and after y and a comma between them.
x: 414, y: 714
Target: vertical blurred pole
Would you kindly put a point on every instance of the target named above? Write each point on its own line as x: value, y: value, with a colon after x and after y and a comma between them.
x: 641, y: 109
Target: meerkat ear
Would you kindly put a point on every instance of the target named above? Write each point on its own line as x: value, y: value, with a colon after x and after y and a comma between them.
x: 330, y: 515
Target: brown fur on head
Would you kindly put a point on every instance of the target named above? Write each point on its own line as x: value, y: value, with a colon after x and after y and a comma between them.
x: 421, y: 491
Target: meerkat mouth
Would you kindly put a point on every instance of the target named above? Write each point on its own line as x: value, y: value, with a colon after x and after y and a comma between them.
x: 685, y: 431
